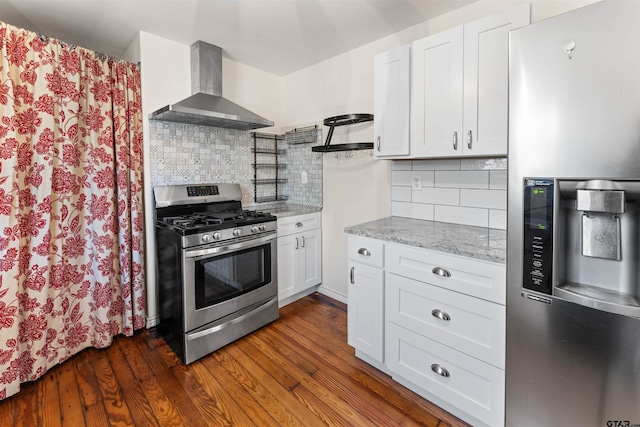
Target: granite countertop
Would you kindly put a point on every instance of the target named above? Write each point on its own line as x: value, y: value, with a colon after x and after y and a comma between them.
x: 283, y: 210
x: 481, y: 243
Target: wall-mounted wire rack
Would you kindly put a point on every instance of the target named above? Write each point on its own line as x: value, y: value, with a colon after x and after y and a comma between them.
x: 303, y: 135
x: 268, y: 167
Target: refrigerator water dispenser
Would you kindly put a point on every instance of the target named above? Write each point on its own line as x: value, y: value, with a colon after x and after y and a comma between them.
x: 594, y: 244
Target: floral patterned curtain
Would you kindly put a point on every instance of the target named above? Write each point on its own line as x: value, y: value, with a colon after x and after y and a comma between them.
x: 71, y: 217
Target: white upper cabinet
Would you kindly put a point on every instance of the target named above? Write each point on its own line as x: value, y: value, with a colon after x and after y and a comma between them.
x: 460, y: 78
x: 392, y: 86
x: 437, y: 94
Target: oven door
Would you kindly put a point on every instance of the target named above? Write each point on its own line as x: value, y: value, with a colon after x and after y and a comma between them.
x: 222, y: 279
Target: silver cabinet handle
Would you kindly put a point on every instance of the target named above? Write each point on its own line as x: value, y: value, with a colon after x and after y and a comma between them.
x: 440, y: 370
x: 298, y: 224
x: 441, y: 272
x: 296, y: 243
x: 455, y: 140
x: 351, y: 275
x: 469, y: 139
x: 302, y: 237
x: 440, y: 314
x: 378, y: 143
x: 364, y: 251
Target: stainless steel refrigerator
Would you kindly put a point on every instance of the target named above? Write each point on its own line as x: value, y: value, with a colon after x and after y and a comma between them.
x: 573, y: 269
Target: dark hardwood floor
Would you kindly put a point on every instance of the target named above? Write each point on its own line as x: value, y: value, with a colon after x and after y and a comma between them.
x: 296, y: 371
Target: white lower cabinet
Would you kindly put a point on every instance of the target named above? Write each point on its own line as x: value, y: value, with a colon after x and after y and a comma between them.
x: 434, y: 321
x: 445, y: 329
x: 299, y: 256
x: 365, y: 316
x: 366, y: 310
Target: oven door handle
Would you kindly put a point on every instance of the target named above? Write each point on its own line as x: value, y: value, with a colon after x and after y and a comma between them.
x: 238, y: 319
x: 217, y: 250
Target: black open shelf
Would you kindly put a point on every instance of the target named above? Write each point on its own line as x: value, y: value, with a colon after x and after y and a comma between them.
x: 343, y: 120
x: 343, y: 147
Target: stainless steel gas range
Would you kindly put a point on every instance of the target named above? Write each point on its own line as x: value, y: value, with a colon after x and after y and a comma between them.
x: 217, y: 274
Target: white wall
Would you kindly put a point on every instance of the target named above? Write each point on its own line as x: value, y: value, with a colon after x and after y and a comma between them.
x: 165, y: 69
x: 357, y: 190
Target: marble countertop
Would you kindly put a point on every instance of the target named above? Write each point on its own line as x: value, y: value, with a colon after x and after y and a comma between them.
x: 481, y: 243
x: 283, y: 210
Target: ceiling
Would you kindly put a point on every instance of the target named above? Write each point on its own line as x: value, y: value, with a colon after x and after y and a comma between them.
x: 278, y: 36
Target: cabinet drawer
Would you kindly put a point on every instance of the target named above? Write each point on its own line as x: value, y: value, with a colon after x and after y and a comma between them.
x: 468, y: 324
x: 366, y: 251
x: 298, y: 223
x: 480, y: 279
x: 475, y: 387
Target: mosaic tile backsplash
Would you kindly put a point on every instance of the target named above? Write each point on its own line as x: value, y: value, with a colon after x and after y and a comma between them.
x: 190, y: 154
x: 303, y: 163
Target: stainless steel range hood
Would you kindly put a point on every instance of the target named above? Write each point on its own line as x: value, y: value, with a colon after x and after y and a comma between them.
x: 207, y: 106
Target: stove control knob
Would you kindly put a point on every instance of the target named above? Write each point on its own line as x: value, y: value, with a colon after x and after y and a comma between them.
x: 237, y: 232
x: 262, y: 227
x: 254, y: 229
x: 216, y: 236
x: 206, y: 238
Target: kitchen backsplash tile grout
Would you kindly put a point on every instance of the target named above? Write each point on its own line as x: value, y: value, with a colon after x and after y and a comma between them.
x: 461, y: 191
x: 184, y: 154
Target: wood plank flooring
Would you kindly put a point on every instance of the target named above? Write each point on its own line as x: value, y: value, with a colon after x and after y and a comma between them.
x: 297, y: 371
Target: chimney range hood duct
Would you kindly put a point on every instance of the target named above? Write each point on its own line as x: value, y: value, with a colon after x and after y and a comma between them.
x: 207, y: 106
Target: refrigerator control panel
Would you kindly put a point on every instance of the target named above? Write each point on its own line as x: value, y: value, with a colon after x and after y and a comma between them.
x: 538, y: 234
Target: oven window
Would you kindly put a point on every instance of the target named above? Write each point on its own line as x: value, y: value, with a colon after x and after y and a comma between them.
x: 226, y: 276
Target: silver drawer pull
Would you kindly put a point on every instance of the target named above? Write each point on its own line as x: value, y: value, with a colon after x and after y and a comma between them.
x: 363, y: 251
x: 351, y: 274
x: 440, y: 370
x: 440, y: 314
x: 298, y: 224
x: 441, y: 272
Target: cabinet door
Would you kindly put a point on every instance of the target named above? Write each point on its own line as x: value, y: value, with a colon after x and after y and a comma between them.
x: 486, y: 82
x: 365, y: 311
x: 311, y: 259
x: 436, y: 104
x: 391, y: 102
x: 288, y: 265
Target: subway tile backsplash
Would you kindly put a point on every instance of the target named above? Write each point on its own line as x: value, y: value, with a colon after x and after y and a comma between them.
x: 185, y: 154
x: 460, y: 191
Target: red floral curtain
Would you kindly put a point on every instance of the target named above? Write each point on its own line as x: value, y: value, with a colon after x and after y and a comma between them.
x: 71, y: 218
